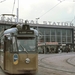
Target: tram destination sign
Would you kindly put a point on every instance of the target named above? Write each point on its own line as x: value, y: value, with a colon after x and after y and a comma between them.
x: 28, y: 32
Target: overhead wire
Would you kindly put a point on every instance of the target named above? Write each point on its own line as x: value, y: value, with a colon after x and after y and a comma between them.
x: 13, y: 6
x: 50, y: 9
x: 74, y: 16
x: 72, y: 19
x: 2, y: 1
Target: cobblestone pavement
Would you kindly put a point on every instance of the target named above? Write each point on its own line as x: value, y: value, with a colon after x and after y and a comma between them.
x: 55, y: 64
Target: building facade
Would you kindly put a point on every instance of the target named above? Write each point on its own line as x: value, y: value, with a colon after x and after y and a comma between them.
x: 51, y: 35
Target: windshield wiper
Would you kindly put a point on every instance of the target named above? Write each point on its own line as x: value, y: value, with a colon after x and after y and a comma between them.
x: 24, y: 48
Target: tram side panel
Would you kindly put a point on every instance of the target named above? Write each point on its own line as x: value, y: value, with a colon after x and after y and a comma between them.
x: 8, y: 62
x: 2, y: 59
x: 1, y: 52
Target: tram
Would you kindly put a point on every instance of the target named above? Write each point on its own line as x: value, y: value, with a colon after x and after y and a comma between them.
x: 18, y: 50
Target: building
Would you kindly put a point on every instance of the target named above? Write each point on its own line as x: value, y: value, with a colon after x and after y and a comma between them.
x: 50, y: 35
x: 55, y: 35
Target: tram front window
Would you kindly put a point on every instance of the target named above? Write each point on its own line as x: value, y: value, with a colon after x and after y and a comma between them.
x: 26, y: 45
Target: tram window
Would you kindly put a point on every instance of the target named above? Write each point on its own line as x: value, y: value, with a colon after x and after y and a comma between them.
x: 27, y: 44
x: 9, y: 45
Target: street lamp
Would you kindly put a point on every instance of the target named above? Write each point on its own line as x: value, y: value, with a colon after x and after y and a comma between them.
x: 37, y: 20
x: 18, y: 12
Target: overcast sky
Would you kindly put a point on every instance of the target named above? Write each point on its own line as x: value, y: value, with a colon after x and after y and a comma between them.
x: 46, y: 10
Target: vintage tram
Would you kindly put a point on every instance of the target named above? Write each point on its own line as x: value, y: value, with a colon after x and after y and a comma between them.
x: 18, y: 50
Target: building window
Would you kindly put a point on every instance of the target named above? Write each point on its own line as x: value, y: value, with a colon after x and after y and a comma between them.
x: 63, y: 32
x: 47, y: 31
x: 69, y: 32
x: 69, y: 40
x: 41, y: 30
x: 56, y: 35
x: 53, y: 31
x: 59, y: 39
x: 52, y: 38
x: 58, y: 32
x: 3, y: 26
x: 47, y: 38
x: 63, y: 39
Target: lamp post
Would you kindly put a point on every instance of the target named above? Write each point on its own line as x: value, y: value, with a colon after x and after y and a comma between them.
x: 37, y: 20
x: 18, y: 12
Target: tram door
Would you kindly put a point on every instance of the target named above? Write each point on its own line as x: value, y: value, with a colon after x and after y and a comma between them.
x: 6, y: 54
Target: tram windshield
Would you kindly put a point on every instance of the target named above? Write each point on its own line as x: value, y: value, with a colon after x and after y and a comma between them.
x: 26, y: 44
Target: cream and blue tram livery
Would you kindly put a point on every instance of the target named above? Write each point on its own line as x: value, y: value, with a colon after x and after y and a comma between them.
x: 18, y: 50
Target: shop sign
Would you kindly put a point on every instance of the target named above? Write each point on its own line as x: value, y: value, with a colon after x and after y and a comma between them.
x: 41, y: 44
x: 51, y: 43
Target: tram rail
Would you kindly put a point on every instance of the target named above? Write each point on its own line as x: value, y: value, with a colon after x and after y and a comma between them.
x: 48, y: 66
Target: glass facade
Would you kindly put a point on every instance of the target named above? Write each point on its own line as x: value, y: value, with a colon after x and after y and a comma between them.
x: 47, y: 34
x: 61, y: 36
x: 4, y: 26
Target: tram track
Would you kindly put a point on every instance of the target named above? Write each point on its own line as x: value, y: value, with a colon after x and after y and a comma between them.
x: 49, y: 66
x: 69, y: 61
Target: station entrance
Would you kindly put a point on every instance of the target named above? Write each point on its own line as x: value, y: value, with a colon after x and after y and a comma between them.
x: 48, y: 47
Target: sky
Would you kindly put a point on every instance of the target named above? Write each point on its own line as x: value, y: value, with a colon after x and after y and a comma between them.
x: 45, y: 10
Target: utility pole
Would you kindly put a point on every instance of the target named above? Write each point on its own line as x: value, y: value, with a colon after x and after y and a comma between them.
x: 18, y: 12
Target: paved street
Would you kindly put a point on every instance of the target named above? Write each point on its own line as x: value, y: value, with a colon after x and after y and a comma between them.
x: 55, y: 64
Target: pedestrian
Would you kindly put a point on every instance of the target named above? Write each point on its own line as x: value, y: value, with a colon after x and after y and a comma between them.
x: 47, y: 50
x: 67, y: 49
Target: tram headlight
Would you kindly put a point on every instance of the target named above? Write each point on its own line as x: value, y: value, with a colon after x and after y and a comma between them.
x: 27, y: 60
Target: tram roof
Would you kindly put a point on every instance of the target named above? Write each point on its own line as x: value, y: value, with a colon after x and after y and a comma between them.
x: 15, y: 30
x: 11, y: 30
